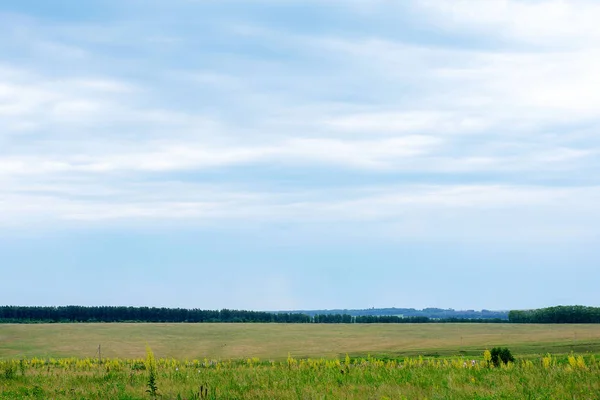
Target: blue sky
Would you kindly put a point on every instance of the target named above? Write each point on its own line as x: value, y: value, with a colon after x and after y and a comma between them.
x: 300, y: 154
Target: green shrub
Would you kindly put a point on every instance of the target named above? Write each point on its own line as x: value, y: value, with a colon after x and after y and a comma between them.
x: 501, y: 355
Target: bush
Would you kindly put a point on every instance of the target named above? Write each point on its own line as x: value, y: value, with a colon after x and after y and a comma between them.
x: 501, y: 355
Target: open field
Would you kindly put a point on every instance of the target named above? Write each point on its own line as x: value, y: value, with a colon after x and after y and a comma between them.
x: 250, y: 361
x: 575, y: 377
x: 275, y: 341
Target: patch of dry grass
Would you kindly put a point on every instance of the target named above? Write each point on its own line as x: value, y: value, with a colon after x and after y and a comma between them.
x: 275, y: 341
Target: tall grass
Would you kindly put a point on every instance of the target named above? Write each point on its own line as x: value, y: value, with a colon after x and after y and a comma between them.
x: 547, y: 377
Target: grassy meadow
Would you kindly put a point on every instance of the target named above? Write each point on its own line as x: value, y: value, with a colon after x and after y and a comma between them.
x: 304, y: 361
x: 275, y: 341
x: 573, y: 377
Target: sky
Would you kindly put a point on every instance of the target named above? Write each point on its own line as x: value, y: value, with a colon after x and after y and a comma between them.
x: 277, y: 155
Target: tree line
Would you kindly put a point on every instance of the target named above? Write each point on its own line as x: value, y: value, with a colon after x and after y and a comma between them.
x: 24, y: 314
x: 557, y: 315
x: 29, y: 314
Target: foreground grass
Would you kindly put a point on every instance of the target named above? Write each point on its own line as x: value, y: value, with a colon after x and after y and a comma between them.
x: 366, y: 378
x: 274, y: 341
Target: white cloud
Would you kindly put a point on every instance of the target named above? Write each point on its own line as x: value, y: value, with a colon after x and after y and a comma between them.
x: 409, y: 211
x: 489, y: 87
x: 555, y: 23
x: 402, y: 121
x: 378, y: 154
x: 40, y: 100
x: 373, y: 104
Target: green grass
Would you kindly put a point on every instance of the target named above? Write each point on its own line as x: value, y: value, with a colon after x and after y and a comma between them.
x: 301, y: 379
x: 275, y: 341
x: 210, y: 361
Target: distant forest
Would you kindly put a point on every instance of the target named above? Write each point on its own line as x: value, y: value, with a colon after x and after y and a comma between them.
x: 557, y: 315
x: 28, y: 314
x: 432, y: 313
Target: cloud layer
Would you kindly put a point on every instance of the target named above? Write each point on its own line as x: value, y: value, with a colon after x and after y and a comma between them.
x: 469, y: 107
